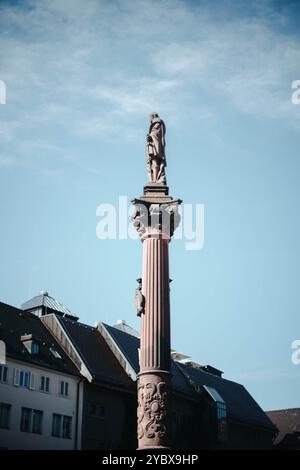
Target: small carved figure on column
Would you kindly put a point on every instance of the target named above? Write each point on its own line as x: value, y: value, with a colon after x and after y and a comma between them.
x: 155, y: 150
x: 139, y: 299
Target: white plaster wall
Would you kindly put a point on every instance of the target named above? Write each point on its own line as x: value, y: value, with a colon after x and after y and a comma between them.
x: 49, y: 403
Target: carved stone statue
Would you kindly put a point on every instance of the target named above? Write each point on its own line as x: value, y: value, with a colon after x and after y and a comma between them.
x: 139, y: 299
x: 155, y: 150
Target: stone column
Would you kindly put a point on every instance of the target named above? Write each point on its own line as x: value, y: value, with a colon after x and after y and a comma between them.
x: 156, y: 218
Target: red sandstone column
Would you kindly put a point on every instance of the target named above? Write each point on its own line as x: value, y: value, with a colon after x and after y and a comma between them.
x: 154, y: 380
x: 154, y: 377
x: 155, y: 218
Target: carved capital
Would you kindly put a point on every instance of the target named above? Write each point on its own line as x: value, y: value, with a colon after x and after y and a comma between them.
x: 156, y: 220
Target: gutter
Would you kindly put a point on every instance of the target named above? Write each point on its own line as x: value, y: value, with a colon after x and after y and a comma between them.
x: 76, y: 446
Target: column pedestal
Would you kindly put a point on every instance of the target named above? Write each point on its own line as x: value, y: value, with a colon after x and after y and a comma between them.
x: 154, y: 393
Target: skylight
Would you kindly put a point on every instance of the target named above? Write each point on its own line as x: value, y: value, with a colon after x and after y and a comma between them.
x: 55, y: 353
x: 214, y: 394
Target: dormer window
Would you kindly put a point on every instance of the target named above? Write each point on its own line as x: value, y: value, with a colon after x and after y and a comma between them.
x: 30, y: 343
x: 34, y: 348
x: 220, y: 413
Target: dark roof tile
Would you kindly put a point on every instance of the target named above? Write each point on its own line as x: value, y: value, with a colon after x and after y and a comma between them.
x: 240, y: 404
x: 287, y: 422
x: 14, y: 323
x: 96, y: 354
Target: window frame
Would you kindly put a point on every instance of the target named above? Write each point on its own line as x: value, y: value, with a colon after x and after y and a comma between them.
x: 5, y: 417
x: 98, y: 412
x: 62, y: 426
x: 44, y: 384
x: 37, y: 422
x: 24, y: 375
x: 31, y: 421
x: 67, y: 428
x: 64, y: 388
x: 3, y: 372
x: 221, y: 415
x: 56, y: 417
x: 24, y: 410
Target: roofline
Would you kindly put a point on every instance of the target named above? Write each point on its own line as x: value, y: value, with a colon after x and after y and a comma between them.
x: 281, y: 410
x: 254, y: 424
x: 83, y: 367
x: 119, y: 388
x: 42, y: 367
x: 198, y: 389
x: 113, y: 347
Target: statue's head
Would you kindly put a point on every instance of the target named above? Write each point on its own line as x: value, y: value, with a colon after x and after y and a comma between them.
x: 153, y: 116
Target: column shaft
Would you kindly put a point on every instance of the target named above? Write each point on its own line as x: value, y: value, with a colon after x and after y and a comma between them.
x: 155, y: 377
x: 155, y: 338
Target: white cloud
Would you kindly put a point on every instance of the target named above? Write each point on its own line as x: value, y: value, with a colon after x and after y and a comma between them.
x: 88, y: 66
x: 138, y: 96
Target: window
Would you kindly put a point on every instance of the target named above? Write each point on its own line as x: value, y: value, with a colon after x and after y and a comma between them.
x: 25, y: 419
x: 31, y: 345
x: 3, y: 373
x: 31, y: 421
x: 67, y: 427
x: 24, y: 379
x: 95, y: 410
x: 222, y: 421
x: 44, y: 384
x: 56, y: 425
x: 37, y: 418
x: 64, y: 388
x: 62, y: 426
x: 221, y: 412
x: 34, y: 348
x: 5, y: 410
x: 55, y: 353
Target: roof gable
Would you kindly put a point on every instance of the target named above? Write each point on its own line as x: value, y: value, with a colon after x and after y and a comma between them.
x: 96, y: 354
x: 15, y: 323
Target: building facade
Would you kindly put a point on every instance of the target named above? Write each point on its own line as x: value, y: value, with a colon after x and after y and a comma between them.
x: 41, y: 395
x: 67, y: 385
x: 39, y: 407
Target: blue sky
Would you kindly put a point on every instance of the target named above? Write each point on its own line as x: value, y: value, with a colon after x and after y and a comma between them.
x: 82, y: 77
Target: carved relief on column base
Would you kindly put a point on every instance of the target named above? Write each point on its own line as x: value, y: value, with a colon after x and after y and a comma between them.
x: 153, y: 409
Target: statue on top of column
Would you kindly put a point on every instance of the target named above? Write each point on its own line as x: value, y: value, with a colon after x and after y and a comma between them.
x: 155, y: 150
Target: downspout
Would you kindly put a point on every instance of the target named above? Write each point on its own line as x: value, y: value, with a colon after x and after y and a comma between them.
x: 77, y: 414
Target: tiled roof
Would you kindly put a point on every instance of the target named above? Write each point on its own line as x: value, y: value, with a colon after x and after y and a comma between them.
x: 122, y: 325
x: 95, y: 353
x: 129, y: 346
x: 15, y: 323
x: 105, y: 367
x: 240, y: 404
x: 287, y: 422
